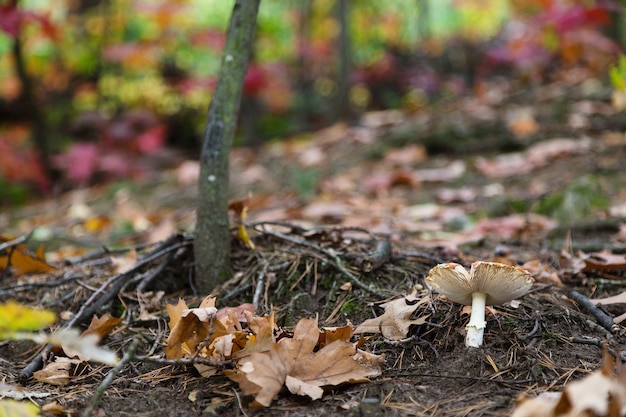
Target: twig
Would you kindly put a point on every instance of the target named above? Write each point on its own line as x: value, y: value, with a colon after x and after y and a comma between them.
x: 129, y: 355
x: 532, y: 332
x: 239, y: 403
x: 604, y: 319
x: 31, y: 286
x: 329, y: 253
x: 259, y: 284
x: 17, y: 241
x: 186, y: 362
x: 380, y: 256
x: 597, y: 342
x: 102, y: 296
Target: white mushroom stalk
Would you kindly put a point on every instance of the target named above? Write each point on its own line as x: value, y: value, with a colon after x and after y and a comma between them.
x: 476, y: 326
x: 487, y: 283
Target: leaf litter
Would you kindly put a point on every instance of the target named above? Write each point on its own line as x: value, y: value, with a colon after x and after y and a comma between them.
x: 319, y: 209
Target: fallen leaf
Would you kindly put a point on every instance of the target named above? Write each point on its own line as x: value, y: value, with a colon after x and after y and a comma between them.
x: 604, y: 260
x: 84, y: 348
x: 22, y: 259
x: 294, y: 363
x: 599, y: 394
x: 12, y: 408
x: 57, y: 372
x: 15, y: 317
x: 102, y: 326
x: 542, y: 272
x: 394, y: 324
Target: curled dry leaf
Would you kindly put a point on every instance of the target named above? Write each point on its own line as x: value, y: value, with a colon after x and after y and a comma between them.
x: 188, y: 327
x: 599, y: 394
x: 394, y: 324
x: 57, y: 372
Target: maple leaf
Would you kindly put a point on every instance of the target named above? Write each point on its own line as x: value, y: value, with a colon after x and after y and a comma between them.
x: 294, y: 363
x: 394, y: 324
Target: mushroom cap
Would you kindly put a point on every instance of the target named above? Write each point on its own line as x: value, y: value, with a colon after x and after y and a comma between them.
x: 501, y: 282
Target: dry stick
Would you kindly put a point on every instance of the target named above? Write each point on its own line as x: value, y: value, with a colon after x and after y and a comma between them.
x: 129, y: 355
x: 380, y: 256
x: 330, y: 254
x: 15, y: 242
x: 94, y: 302
x: 31, y: 286
x: 597, y: 342
x: 259, y: 285
x: 604, y: 319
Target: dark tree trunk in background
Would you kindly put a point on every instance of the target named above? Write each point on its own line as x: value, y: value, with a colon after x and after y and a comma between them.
x: 212, y: 240
x: 303, y: 76
x: 32, y: 107
x: 343, y: 99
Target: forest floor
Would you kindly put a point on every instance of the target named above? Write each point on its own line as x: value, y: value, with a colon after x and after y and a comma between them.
x: 534, y: 178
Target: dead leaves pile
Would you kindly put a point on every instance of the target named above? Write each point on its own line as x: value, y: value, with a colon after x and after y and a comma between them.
x: 264, y: 356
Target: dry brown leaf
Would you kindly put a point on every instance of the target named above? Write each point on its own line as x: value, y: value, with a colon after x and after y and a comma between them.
x: 187, y: 330
x: 122, y: 264
x: 330, y: 334
x: 102, y: 326
x: 57, y: 372
x: 394, y: 324
x: 599, y: 394
x: 23, y: 260
x: 604, y: 260
x: 542, y: 272
x: 294, y: 363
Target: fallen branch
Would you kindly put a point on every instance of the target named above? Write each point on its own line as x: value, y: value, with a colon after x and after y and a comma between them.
x: 105, y: 293
x: 597, y: 342
x: 604, y: 319
x: 129, y: 355
x: 380, y: 256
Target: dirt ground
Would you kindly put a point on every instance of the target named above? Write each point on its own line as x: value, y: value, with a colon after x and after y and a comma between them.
x: 539, y: 345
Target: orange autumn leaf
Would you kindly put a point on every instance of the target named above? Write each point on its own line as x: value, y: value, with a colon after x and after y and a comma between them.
x: 23, y: 260
x: 102, y: 326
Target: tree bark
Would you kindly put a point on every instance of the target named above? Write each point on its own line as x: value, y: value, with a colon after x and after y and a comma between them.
x: 28, y: 97
x: 212, y: 239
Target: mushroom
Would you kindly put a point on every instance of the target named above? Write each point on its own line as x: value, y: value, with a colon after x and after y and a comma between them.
x: 487, y: 283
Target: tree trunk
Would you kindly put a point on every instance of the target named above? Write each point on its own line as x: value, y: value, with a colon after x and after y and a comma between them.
x: 212, y: 240
x: 34, y: 109
x: 343, y: 100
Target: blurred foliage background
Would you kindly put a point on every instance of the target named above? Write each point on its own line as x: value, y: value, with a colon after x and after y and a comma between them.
x: 99, y: 89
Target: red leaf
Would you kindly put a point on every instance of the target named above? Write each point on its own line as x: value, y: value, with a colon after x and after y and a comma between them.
x: 79, y: 161
x: 10, y: 19
x: 152, y: 140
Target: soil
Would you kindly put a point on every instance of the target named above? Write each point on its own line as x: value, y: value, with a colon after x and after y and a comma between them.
x: 539, y: 345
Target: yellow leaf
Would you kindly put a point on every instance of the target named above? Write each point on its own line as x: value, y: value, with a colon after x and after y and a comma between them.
x: 242, y: 234
x: 12, y: 408
x: 15, y: 317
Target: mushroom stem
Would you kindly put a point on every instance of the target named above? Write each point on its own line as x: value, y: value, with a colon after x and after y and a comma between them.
x: 476, y: 326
